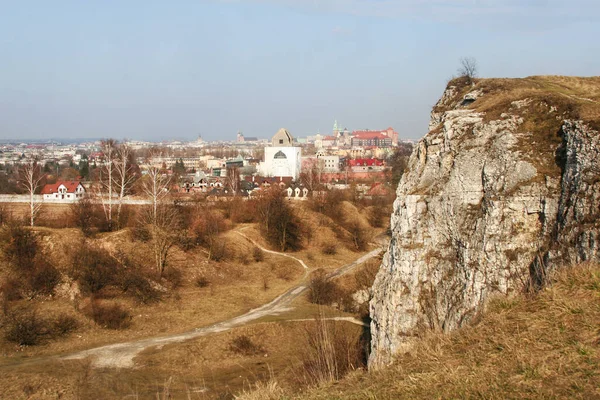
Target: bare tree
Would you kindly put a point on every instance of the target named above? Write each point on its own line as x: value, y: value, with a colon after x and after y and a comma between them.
x: 156, y: 187
x: 164, y: 224
x: 233, y: 179
x: 162, y: 218
x: 468, y: 68
x: 311, y: 178
x: 30, y: 178
x: 106, y: 179
x: 124, y: 175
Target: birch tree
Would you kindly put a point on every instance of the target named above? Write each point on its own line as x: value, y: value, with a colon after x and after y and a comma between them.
x: 156, y: 188
x: 30, y: 178
x: 106, y: 179
x: 233, y: 179
x: 124, y: 175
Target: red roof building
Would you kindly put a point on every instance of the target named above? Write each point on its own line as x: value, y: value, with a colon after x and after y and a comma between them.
x: 63, y: 191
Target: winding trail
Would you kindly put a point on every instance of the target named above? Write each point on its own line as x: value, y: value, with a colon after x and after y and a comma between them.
x: 121, y: 355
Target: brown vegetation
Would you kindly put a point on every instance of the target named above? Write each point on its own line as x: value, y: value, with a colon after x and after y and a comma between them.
x: 542, y: 346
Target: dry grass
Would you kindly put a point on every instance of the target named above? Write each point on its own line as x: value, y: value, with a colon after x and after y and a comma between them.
x: 546, y: 346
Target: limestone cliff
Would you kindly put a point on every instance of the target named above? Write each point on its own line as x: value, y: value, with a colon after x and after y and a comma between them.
x: 504, y: 187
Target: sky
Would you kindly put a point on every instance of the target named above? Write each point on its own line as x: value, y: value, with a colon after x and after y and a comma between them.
x: 156, y: 70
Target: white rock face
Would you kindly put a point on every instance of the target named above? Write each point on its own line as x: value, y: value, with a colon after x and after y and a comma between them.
x: 478, y: 214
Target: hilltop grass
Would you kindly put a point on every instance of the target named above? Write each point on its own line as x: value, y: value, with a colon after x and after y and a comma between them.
x: 541, y: 346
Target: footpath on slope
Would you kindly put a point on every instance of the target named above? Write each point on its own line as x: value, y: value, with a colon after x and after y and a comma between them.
x: 121, y: 355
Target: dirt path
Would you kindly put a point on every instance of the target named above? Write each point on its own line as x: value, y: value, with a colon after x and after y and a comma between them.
x: 121, y: 355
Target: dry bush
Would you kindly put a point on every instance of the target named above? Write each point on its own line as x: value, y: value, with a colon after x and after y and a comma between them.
x: 44, y: 278
x: 240, y: 211
x: 5, y: 214
x: 284, y: 272
x: 174, y: 276
x: 11, y: 289
x: 330, y: 204
x: 207, y: 228
x: 333, y: 349
x: 139, y: 287
x: 141, y: 233
x: 185, y: 240
x: 110, y: 316
x: 329, y: 249
x: 84, y: 214
x: 257, y: 254
x: 244, y: 258
x: 322, y: 290
x: 359, y: 235
x: 269, y: 390
x: 279, y: 224
x: 20, y: 246
x: 26, y: 328
x: 220, y: 252
x: 202, y: 281
x: 365, y: 277
x: 34, y: 272
x: 94, y: 269
x: 245, y: 346
x: 64, y: 324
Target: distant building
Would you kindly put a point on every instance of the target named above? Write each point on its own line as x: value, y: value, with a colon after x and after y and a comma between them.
x: 372, y: 139
x: 282, y: 159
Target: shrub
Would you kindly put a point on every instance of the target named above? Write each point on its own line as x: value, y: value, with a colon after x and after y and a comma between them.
x: 64, y: 324
x: 20, y: 246
x: 185, y: 241
x: 329, y: 249
x: 244, y: 258
x: 359, y: 235
x: 202, y: 281
x: 257, y: 254
x: 139, y: 287
x: 219, y: 252
x: 94, y: 269
x: 333, y: 349
x: 174, y: 277
x: 245, y: 346
x: 26, y: 328
x: 84, y: 215
x: 44, y: 277
x: 285, y: 271
x: 141, y: 233
x: 110, y: 316
x: 322, y: 290
x: 11, y: 289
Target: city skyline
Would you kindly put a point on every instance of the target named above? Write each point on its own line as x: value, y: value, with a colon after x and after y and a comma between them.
x: 155, y: 71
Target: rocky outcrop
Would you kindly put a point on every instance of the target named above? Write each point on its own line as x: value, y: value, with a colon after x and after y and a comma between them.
x: 504, y: 187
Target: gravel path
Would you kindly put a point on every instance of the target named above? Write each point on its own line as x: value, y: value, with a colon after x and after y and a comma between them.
x: 121, y: 355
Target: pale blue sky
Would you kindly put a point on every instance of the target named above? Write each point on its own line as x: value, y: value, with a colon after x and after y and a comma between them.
x: 176, y: 69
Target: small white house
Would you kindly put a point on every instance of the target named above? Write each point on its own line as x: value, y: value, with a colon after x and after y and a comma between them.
x: 63, y: 191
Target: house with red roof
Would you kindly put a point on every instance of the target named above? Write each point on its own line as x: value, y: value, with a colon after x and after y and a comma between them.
x: 366, y: 165
x: 63, y: 191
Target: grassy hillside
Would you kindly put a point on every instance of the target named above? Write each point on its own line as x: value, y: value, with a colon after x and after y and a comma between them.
x: 533, y: 346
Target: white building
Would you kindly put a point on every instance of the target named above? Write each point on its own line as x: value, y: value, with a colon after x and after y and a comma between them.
x: 282, y: 159
x: 63, y: 191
